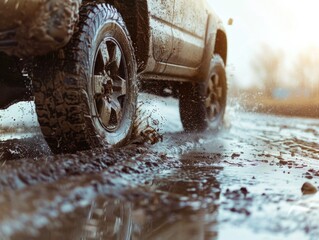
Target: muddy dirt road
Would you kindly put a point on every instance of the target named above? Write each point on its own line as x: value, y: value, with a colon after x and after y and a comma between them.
x: 243, y: 182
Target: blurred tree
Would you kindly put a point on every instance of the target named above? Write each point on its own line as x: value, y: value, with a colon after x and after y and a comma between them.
x: 306, y: 72
x: 266, y: 66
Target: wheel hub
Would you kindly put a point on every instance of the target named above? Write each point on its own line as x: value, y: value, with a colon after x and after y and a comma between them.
x: 109, y: 84
x: 214, y: 97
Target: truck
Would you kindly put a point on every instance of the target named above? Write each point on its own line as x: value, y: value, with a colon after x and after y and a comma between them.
x: 84, y: 62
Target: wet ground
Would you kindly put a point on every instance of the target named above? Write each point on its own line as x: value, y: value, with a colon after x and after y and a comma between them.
x: 242, y: 182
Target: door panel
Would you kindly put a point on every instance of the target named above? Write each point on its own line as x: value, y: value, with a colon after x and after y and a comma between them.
x: 161, y: 18
x: 189, y: 31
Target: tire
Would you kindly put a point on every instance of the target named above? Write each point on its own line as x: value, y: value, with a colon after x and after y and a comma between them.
x: 85, y: 93
x: 203, y: 105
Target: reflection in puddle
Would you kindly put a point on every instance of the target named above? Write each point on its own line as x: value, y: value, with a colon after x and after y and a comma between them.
x: 106, y: 219
x: 177, y: 204
x: 102, y: 219
x: 185, y: 205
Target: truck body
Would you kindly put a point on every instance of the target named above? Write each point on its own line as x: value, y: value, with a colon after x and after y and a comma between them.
x: 81, y: 61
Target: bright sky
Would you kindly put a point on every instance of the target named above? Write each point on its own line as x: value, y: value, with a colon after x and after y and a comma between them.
x: 287, y: 25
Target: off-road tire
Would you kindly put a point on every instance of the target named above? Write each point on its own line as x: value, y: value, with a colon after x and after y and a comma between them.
x: 196, y: 115
x: 65, y: 89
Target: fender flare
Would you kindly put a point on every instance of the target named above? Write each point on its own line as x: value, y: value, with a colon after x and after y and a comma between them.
x: 215, y: 43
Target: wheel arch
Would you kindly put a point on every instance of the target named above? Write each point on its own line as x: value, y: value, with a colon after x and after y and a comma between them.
x: 221, y: 46
x: 215, y: 43
x: 136, y: 17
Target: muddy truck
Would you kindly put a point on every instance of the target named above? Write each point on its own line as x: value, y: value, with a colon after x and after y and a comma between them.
x: 84, y: 62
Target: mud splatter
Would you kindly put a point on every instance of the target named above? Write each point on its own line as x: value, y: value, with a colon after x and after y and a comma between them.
x: 38, y: 27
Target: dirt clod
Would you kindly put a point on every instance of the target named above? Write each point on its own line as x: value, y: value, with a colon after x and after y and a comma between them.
x: 244, y: 191
x: 235, y: 155
x: 307, y: 189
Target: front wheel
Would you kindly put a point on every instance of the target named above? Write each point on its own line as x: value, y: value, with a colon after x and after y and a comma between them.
x: 85, y: 94
x: 203, y: 105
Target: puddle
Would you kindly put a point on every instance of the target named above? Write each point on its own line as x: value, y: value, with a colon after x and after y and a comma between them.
x: 244, y: 180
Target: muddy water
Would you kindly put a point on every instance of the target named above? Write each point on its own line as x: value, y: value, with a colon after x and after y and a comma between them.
x: 243, y: 182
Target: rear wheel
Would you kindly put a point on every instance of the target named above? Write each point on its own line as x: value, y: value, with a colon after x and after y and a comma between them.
x: 202, y: 105
x: 85, y: 94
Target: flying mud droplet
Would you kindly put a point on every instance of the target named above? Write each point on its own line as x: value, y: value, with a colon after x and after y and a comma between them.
x: 230, y: 21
